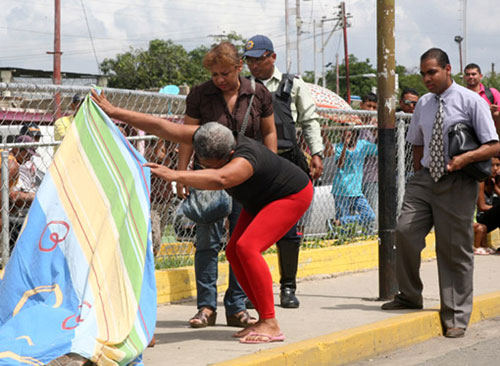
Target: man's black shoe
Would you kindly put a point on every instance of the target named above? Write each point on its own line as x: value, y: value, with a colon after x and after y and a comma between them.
x: 288, y: 299
x: 454, y: 333
x: 396, y: 305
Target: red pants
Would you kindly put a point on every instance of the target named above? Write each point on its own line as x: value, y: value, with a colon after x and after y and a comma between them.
x: 253, y: 235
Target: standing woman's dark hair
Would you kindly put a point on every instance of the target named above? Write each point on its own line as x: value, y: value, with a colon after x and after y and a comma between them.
x: 224, y: 53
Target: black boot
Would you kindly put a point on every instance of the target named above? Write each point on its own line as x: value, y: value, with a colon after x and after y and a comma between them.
x: 288, y: 258
x: 288, y: 299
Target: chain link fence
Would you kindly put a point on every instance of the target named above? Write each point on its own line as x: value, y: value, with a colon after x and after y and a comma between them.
x: 345, y: 204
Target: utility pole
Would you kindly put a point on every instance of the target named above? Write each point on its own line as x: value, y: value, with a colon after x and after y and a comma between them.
x: 323, y: 42
x: 465, y: 31
x: 298, y: 21
x: 346, y: 53
x: 323, y: 71
x: 287, y: 39
x: 56, y: 76
x: 463, y: 5
x: 386, y: 65
x: 459, y: 40
x: 337, y: 74
x: 314, y: 40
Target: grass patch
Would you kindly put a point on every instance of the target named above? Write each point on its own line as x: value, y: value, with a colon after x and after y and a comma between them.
x: 340, y: 235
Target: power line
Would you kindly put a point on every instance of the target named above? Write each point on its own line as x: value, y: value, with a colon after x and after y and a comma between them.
x: 90, y: 34
x: 219, y: 8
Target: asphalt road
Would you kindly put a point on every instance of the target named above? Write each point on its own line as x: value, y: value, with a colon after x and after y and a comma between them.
x: 479, y: 347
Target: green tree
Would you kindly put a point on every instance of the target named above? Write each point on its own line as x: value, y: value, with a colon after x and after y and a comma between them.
x: 232, y: 37
x: 360, y: 85
x: 163, y: 63
x: 308, y: 77
x: 409, y: 79
x: 194, y: 72
x: 492, y: 81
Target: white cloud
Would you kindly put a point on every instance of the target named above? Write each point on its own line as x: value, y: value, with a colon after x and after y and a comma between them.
x: 27, y: 27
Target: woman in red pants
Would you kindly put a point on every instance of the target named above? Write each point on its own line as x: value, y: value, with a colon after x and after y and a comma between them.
x: 274, y: 194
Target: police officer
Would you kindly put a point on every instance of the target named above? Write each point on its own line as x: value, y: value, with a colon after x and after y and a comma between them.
x: 292, y: 104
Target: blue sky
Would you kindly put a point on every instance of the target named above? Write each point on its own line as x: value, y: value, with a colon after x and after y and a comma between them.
x: 26, y: 29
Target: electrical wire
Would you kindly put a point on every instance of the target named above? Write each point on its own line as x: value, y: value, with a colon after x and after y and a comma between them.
x: 90, y: 35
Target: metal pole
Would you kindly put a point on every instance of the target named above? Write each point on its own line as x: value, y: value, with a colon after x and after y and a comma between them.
x: 56, y: 77
x: 337, y: 74
x: 459, y: 40
x: 465, y: 32
x: 299, y: 31
x: 386, y: 63
x: 287, y: 39
x: 315, y: 51
x: 460, y: 55
x: 5, y: 207
x: 323, y: 71
x: 346, y: 54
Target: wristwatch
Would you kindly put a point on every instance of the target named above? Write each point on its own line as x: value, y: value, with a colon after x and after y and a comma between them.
x: 320, y: 154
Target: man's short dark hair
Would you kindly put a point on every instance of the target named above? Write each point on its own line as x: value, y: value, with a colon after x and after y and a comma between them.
x: 30, y: 129
x: 369, y: 97
x: 438, y: 54
x: 408, y: 91
x: 472, y: 66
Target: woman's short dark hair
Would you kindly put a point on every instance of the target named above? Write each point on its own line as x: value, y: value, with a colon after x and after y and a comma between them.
x: 224, y: 53
x: 213, y: 141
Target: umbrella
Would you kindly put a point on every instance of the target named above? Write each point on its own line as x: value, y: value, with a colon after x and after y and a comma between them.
x: 325, y: 98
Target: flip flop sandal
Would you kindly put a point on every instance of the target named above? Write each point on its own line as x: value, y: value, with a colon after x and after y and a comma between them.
x: 243, y: 320
x: 266, y: 338
x: 480, y: 251
x: 202, y: 320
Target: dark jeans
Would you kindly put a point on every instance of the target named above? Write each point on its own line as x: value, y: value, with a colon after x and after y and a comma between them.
x: 208, y: 246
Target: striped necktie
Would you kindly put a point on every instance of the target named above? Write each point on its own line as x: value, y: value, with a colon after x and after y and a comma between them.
x: 436, y: 165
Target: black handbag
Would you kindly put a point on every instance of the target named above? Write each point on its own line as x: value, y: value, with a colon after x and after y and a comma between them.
x: 462, y: 138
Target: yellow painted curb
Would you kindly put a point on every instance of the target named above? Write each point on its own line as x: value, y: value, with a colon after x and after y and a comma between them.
x: 179, y: 283
x: 361, y: 342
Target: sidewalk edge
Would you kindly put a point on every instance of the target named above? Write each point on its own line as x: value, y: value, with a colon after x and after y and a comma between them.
x: 179, y: 283
x: 361, y: 342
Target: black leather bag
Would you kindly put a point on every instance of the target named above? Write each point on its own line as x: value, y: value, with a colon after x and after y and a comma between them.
x: 462, y: 138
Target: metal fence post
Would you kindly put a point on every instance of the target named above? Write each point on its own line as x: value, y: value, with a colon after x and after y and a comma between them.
x: 400, y: 169
x: 5, y: 207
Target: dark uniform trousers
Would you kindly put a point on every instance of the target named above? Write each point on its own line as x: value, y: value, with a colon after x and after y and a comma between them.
x: 448, y: 205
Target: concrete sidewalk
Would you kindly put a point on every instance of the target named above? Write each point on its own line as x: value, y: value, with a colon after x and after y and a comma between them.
x: 338, y: 321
